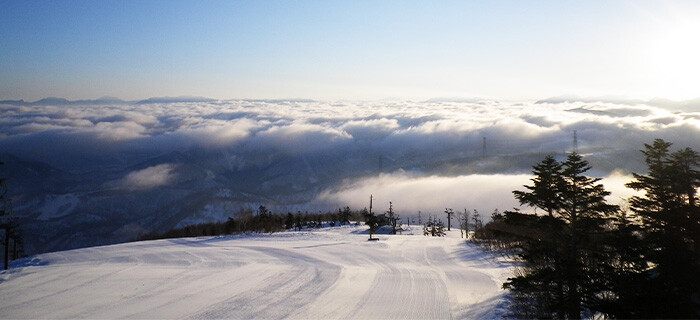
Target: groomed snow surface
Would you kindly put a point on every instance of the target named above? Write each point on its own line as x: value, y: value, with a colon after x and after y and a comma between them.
x: 330, y: 273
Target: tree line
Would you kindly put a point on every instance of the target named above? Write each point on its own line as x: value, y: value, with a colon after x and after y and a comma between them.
x: 261, y: 221
x: 11, y: 238
x: 584, y: 257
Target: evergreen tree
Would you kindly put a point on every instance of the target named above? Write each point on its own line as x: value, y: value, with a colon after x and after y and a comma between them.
x: 230, y: 226
x: 585, y: 212
x: 671, y: 231
x: 434, y: 228
x: 496, y: 215
x: 538, y: 290
x: 626, y: 276
x: 344, y: 216
x: 372, y: 221
x: 297, y: 221
x: 685, y: 177
x: 319, y: 221
x: 544, y: 192
x: 563, y: 252
x: 392, y: 217
x: 476, y: 217
x: 8, y: 223
x: 289, y: 222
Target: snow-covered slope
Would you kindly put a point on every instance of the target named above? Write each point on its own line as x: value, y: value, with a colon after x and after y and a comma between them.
x: 327, y: 274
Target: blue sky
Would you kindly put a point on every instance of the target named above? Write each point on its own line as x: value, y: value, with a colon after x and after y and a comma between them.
x: 349, y: 49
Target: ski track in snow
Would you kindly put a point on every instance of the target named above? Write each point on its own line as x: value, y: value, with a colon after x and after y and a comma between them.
x: 332, y: 273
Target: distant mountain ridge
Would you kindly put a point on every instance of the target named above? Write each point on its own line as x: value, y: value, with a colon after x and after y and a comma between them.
x: 174, y: 99
x: 54, y: 101
x: 691, y: 105
x: 62, y: 210
x: 113, y: 100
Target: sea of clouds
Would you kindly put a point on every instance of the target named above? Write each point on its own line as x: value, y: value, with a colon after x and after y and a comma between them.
x: 420, y: 155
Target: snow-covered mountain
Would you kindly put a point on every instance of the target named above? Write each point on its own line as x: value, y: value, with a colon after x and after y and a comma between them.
x: 61, y: 210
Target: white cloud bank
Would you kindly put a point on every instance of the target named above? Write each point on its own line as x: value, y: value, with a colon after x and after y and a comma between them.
x: 440, y: 138
x: 149, y: 178
x: 432, y: 194
x: 300, y: 127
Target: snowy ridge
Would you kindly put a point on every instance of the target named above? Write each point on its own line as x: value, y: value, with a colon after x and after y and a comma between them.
x: 333, y: 273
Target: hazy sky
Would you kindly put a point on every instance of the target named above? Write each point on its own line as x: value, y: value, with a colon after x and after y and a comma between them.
x: 349, y: 49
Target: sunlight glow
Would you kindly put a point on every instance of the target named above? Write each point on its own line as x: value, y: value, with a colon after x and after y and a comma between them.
x: 673, y: 58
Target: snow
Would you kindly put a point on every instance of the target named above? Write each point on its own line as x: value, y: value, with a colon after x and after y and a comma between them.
x: 331, y: 273
x: 224, y: 193
x: 57, y: 206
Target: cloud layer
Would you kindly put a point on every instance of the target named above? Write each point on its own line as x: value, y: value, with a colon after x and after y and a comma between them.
x: 307, y: 126
x: 158, y: 165
x: 315, y: 146
x: 148, y: 178
x: 432, y: 194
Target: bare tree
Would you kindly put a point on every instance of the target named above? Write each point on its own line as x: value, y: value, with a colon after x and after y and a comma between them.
x: 464, y: 223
